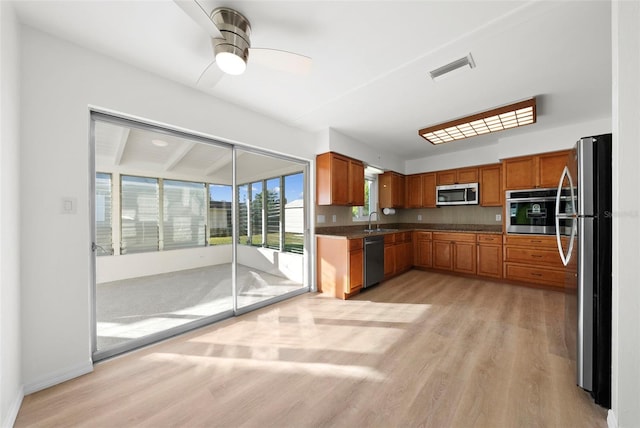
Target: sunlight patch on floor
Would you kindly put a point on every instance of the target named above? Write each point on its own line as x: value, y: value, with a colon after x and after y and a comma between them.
x: 281, y: 367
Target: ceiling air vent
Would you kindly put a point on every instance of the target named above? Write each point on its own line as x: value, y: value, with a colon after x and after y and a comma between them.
x: 440, y: 72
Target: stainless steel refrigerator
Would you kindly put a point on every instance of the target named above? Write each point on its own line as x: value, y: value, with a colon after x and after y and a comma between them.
x: 584, y: 214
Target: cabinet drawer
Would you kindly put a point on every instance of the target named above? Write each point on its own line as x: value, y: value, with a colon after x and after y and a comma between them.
x: 389, y: 238
x: 547, y: 257
x: 423, y: 236
x: 453, y: 236
x: 489, y: 238
x: 355, y: 244
x: 535, y: 241
x: 403, y: 237
x: 537, y: 275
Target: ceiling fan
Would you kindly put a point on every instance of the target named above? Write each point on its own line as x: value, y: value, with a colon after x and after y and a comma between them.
x: 230, y: 33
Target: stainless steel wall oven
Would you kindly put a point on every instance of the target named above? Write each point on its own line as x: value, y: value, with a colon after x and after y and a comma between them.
x: 533, y: 210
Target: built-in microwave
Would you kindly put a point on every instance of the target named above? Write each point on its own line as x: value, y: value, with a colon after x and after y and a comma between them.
x: 457, y: 194
x: 533, y: 211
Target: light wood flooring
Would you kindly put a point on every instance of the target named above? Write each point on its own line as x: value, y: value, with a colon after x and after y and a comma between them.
x: 423, y: 349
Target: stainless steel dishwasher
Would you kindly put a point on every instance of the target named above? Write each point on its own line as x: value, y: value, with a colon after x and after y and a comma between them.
x: 373, y: 260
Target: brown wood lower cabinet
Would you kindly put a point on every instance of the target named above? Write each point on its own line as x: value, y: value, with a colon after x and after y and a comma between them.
x: 490, y: 255
x: 398, y: 253
x: 454, y: 251
x: 340, y: 266
x: 533, y: 259
x: 422, y: 253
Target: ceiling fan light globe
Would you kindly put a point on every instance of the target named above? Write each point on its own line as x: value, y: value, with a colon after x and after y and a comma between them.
x: 230, y: 63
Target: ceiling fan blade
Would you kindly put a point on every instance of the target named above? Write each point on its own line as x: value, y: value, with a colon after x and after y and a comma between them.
x: 199, y: 14
x: 280, y: 60
x: 210, y: 76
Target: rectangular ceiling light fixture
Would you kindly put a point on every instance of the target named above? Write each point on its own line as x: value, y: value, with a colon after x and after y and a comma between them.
x: 440, y: 72
x: 498, y: 119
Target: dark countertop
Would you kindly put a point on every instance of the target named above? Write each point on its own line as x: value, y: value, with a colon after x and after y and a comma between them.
x: 357, y: 231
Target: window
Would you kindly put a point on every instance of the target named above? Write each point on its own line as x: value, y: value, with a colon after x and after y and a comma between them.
x: 103, y: 210
x: 294, y: 213
x: 184, y: 214
x: 244, y: 204
x: 219, y: 216
x: 273, y: 213
x: 370, y: 200
x: 256, y: 210
x: 140, y: 214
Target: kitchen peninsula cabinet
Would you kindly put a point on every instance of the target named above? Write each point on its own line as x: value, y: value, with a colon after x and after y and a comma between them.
x: 454, y: 251
x: 339, y: 180
x: 391, y: 190
x: 489, y: 255
x: 457, y: 176
x: 533, y: 259
x: 340, y: 266
x: 538, y: 171
x: 491, y: 185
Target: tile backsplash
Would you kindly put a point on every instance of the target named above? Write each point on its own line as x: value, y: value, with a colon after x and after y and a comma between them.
x: 468, y: 214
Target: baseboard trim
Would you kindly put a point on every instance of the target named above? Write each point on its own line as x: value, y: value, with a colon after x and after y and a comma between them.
x: 612, y: 421
x: 59, y: 377
x: 12, y: 414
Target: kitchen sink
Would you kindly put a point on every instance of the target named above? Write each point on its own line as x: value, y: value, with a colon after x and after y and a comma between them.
x: 379, y: 230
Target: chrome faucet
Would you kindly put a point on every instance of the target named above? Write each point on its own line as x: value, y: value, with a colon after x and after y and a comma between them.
x: 377, y: 218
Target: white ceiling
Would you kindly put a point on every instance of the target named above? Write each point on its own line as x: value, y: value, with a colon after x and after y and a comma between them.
x: 371, y: 59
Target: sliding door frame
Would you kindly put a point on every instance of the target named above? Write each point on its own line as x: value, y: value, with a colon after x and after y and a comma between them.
x: 123, y: 120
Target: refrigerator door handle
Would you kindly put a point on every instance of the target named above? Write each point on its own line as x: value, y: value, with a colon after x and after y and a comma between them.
x: 565, y: 257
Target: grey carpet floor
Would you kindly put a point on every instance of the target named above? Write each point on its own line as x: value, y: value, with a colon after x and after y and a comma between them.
x: 137, y: 307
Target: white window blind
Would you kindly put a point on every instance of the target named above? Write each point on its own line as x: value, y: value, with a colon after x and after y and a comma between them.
x: 140, y: 214
x: 220, y: 213
x: 184, y: 214
x: 273, y: 213
x: 103, y: 208
x: 243, y: 214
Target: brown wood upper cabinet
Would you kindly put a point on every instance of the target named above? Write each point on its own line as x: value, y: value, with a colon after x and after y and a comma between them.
x: 457, y: 176
x: 420, y: 191
x: 339, y: 180
x: 491, y: 185
x: 537, y: 171
x: 391, y: 190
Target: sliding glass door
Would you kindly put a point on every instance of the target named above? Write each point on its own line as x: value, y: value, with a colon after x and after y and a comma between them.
x: 167, y: 207
x: 271, y: 228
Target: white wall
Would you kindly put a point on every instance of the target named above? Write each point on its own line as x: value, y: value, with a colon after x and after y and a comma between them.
x: 10, y: 379
x: 60, y: 82
x: 506, y: 147
x: 115, y: 268
x: 347, y: 146
x: 626, y: 217
x: 272, y: 261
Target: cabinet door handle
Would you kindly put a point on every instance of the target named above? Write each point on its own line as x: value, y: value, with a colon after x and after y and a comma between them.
x: 536, y: 256
x: 535, y: 241
x: 536, y: 274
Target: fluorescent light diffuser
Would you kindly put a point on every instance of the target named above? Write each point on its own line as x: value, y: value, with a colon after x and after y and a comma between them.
x: 440, y: 72
x: 498, y: 119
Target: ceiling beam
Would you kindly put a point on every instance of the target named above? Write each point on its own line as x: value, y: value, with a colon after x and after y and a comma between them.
x: 124, y: 137
x: 222, y: 162
x: 179, y: 155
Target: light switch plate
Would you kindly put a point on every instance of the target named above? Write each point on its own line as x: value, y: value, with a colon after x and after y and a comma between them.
x: 419, y: 217
x: 69, y: 205
x: 498, y: 217
x: 334, y: 218
x: 321, y: 218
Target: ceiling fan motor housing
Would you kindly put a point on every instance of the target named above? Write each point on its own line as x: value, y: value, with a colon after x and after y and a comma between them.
x: 235, y: 29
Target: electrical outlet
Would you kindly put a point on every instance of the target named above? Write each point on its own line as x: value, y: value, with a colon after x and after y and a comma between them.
x: 419, y: 217
x: 498, y: 217
x: 334, y: 218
